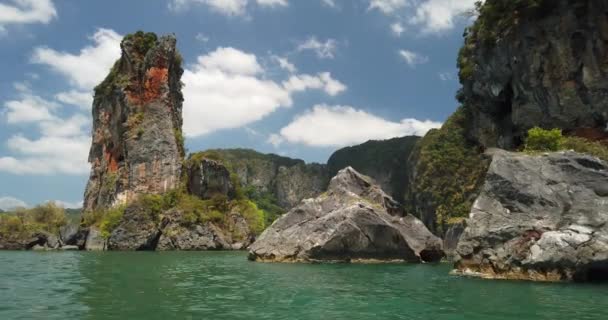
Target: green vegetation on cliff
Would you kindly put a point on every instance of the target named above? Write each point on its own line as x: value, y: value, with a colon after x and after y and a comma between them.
x: 541, y: 140
x: 448, y: 171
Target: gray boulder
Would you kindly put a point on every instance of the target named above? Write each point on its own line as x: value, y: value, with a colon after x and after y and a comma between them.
x: 138, y: 230
x: 451, y: 239
x: 541, y: 218
x: 350, y: 222
x: 68, y: 234
x: 192, y: 238
x: 94, y: 241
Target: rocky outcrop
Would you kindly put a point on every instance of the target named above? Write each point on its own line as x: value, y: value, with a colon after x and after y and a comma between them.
x: 349, y: 223
x: 207, y: 178
x: 139, y: 230
x: 94, y: 240
x: 543, y: 64
x: 540, y: 217
x: 451, y: 239
x: 178, y: 234
x: 137, y: 143
x: 385, y: 161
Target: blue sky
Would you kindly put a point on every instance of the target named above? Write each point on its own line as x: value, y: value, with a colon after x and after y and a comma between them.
x: 299, y: 78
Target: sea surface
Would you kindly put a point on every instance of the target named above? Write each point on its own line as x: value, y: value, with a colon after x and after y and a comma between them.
x: 224, y: 285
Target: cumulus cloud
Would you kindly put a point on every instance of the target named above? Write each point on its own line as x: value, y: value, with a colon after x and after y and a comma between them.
x: 387, y: 6
x: 81, y: 99
x: 28, y: 109
x: 322, y: 81
x: 446, y: 76
x: 62, y: 140
x: 62, y: 146
x: 90, y: 66
x: 285, y: 64
x: 323, y: 50
x: 10, y: 203
x: 425, y: 16
x: 439, y: 15
x: 329, y: 3
x: 226, y: 89
x: 397, y: 29
x: 26, y: 12
x: 338, y: 126
x: 412, y: 58
x: 225, y: 7
x: 273, y: 3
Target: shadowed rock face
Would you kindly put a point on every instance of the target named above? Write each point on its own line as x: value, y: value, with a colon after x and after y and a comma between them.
x: 550, y: 70
x: 207, y: 178
x: 137, y: 146
x: 539, y: 218
x: 351, y: 222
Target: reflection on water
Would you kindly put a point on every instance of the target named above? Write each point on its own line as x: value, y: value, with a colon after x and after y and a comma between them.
x: 222, y: 285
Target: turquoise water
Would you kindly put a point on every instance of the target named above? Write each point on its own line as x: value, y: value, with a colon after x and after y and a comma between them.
x: 224, y: 285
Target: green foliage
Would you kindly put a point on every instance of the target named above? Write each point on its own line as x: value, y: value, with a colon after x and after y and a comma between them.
x: 180, y: 140
x: 22, y: 222
x: 449, y: 171
x: 142, y: 41
x: 543, y: 140
x: 110, y: 220
x: 255, y: 217
x: 265, y: 201
x: 582, y: 145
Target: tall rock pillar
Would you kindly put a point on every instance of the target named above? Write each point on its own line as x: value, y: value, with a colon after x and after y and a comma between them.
x: 137, y: 145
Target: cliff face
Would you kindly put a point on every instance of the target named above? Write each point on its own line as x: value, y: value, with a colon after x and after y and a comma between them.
x: 287, y: 180
x: 385, y: 161
x: 137, y: 143
x: 536, y: 63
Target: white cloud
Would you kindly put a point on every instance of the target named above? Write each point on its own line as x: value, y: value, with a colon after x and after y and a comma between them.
x: 426, y: 16
x: 230, y: 61
x: 337, y: 126
x: 324, y: 50
x: 330, y: 3
x: 10, y: 203
x: 323, y: 81
x: 26, y: 12
x: 439, y: 15
x: 87, y: 68
x: 226, y: 89
x: 225, y: 7
x: 387, y: 6
x: 83, y: 100
x: 28, y: 109
x: 275, y: 139
x: 446, y: 76
x: 47, y: 155
x: 273, y: 3
x: 413, y: 58
x: 397, y: 29
x: 285, y: 64
x: 202, y: 37
x: 62, y: 147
